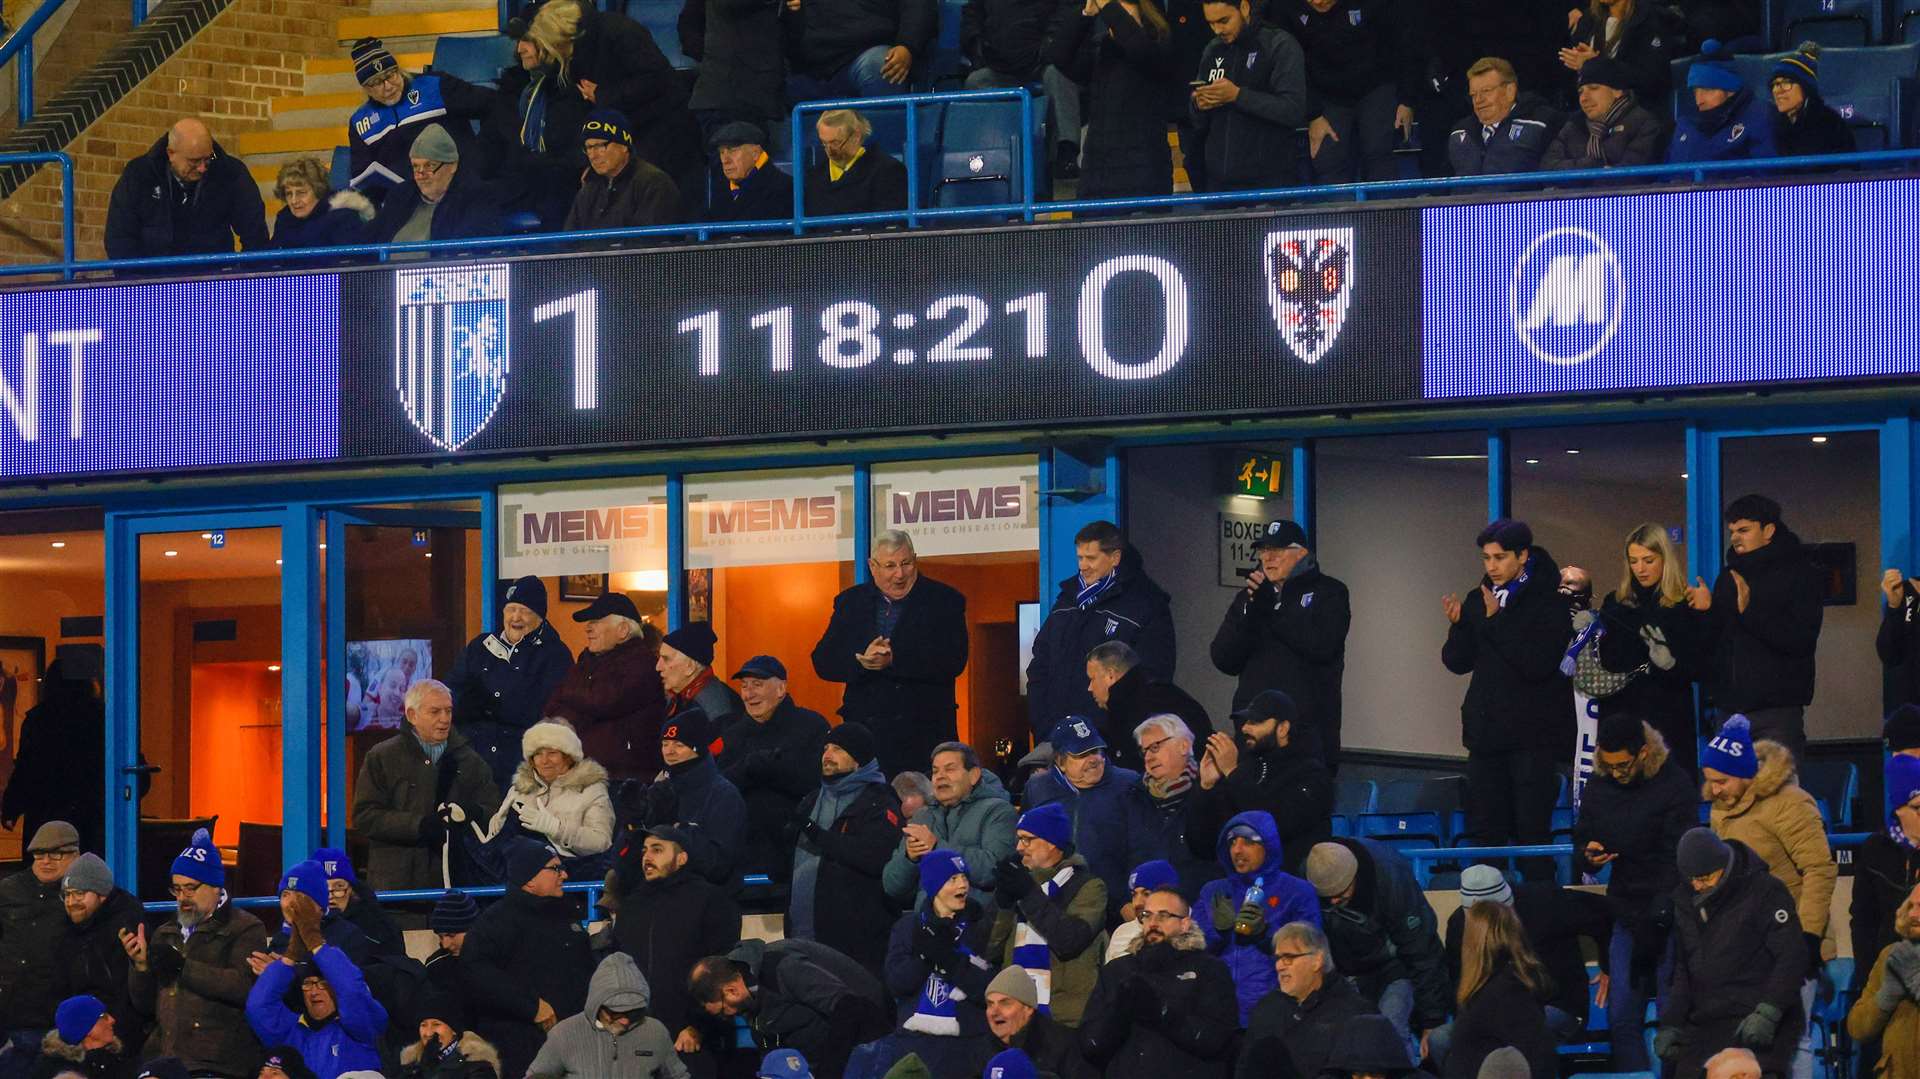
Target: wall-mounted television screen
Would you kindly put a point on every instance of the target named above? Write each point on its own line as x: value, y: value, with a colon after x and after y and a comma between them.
x: 378, y: 674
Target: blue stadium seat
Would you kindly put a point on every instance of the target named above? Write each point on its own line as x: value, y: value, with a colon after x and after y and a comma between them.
x: 946, y: 68
x: 1563, y: 819
x: 340, y: 175
x: 1836, y: 784
x: 1564, y: 799
x: 981, y: 154
x: 1441, y: 793
x: 1457, y: 826
x: 889, y: 135
x: 1873, y: 89
x: 1416, y: 824
x: 1352, y: 797
x: 662, y: 19
x: 1833, y: 23
x: 477, y: 60
x: 1905, y: 25
x: 1340, y: 825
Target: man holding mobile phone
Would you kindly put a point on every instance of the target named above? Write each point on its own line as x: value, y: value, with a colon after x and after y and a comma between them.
x: 1248, y: 98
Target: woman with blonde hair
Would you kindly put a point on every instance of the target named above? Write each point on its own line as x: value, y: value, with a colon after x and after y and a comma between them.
x: 1122, y: 52
x: 1649, y: 634
x: 1501, y: 997
x: 1640, y: 34
x: 315, y: 215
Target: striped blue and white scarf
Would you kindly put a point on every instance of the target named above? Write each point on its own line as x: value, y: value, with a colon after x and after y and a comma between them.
x: 1030, y: 951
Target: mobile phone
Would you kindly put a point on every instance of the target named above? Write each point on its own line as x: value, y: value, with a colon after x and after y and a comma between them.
x: 1198, y: 83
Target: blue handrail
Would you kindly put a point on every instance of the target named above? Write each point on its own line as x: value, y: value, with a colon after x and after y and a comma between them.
x: 591, y: 889
x: 51, y: 157
x: 19, y: 47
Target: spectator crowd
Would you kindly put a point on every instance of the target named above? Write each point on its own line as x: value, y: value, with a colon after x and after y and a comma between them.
x: 1148, y: 894
x: 592, y: 127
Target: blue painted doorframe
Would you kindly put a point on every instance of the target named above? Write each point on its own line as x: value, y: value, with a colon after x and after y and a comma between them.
x: 299, y: 668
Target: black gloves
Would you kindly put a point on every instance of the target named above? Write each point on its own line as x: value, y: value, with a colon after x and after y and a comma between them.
x: 1814, y: 962
x: 1757, y: 1030
x: 433, y: 831
x: 1667, y: 1044
x: 1011, y: 882
x: 663, y: 804
x: 1144, y: 1001
x: 936, y: 943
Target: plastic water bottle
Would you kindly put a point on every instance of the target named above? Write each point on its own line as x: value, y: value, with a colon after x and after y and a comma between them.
x: 1256, y: 896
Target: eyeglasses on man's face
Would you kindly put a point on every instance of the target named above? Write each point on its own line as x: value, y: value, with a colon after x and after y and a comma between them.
x: 55, y: 855
x: 186, y: 891
x: 428, y: 168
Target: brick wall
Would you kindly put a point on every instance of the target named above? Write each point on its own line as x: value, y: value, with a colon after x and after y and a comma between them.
x: 252, y: 52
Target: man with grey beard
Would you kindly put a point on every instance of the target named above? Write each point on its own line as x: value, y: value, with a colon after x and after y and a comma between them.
x: 192, y: 976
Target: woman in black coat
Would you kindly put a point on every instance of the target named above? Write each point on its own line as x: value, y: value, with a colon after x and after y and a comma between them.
x: 1650, y: 607
x: 1642, y: 35
x: 1502, y: 989
x: 1803, y: 124
x: 530, y: 124
x: 315, y: 215
x: 1122, y: 51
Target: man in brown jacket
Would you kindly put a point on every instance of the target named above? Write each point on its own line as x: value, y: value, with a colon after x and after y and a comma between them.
x: 1757, y: 800
x: 192, y: 977
x: 412, y: 785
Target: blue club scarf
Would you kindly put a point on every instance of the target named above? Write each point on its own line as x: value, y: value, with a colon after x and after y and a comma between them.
x: 1090, y: 593
x: 1030, y: 950
x: 1595, y: 630
x: 835, y: 797
x: 533, y: 114
x: 937, y: 1012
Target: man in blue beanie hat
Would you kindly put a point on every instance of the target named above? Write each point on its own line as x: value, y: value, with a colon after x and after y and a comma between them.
x: 348, y: 899
x: 503, y: 679
x: 1887, y: 866
x: 1052, y: 909
x: 309, y: 879
x: 1757, y: 800
x: 1804, y: 124
x: 1727, y: 122
x: 201, y: 1021
x: 339, y: 1025
x: 82, y: 1040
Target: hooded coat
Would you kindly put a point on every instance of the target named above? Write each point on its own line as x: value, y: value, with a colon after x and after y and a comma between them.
x: 347, y: 1041
x: 90, y: 960
x: 1737, y: 949
x: 524, y: 949
x: 616, y: 701
x: 1897, y: 1032
x: 979, y: 829
x: 224, y: 204
x: 497, y: 697
x: 669, y: 924
x: 1388, y: 932
x: 908, y: 705
x: 1517, y: 698
x: 1134, y: 610
x: 1287, y: 898
x: 195, y: 989
x: 579, y: 1048
x: 1780, y: 822
x: 471, y: 1057
x: 578, y: 797
x: 1108, y: 827
x: 1291, y: 1037
x: 773, y: 764
x: 1073, y: 920
x: 33, y: 921
x: 1163, y: 1010
x: 57, y: 1058
x: 1763, y: 657
x: 811, y: 998
x: 1293, y: 638
x: 398, y: 788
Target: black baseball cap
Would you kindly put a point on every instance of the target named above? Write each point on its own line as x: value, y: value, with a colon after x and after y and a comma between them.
x: 762, y: 667
x: 611, y: 603
x: 1281, y: 533
x: 1267, y: 704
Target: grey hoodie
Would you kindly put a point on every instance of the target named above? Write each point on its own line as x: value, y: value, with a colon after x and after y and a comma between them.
x: 577, y: 1046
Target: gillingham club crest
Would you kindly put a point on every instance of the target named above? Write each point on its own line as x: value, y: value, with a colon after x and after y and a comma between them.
x: 450, y: 349
x: 1309, y: 287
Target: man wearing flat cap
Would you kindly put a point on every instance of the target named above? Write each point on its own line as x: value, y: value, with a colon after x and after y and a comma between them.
x: 440, y: 202
x: 622, y: 190
x: 773, y: 757
x: 32, y: 922
x: 748, y: 188
x: 1612, y: 129
x: 613, y: 696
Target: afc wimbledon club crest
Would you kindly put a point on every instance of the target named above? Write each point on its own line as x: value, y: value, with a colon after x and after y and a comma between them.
x: 1309, y: 284
x: 450, y: 349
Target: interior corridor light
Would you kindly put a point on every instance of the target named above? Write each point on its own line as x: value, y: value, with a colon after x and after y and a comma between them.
x: 171, y: 554
x: 273, y: 667
x: 206, y: 535
x: 276, y: 561
x: 1533, y: 460
x: 650, y: 580
x: 59, y: 544
x: 1819, y: 440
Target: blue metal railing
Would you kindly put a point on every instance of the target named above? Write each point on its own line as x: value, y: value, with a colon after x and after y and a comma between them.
x: 591, y: 889
x: 65, y: 162
x: 1423, y: 857
x: 18, y: 47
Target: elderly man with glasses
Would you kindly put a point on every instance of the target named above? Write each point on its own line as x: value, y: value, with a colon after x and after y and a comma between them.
x: 32, y: 921
x: 526, y: 959
x: 1166, y: 1009
x: 191, y: 976
x: 1292, y: 1032
x: 442, y: 201
x: 184, y: 196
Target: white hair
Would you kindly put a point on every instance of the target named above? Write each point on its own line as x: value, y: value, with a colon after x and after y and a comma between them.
x: 418, y: 691
x: 893, y: 539
x: 1167, y: 723
x: 633, y: 628
x: 1733, y: 1064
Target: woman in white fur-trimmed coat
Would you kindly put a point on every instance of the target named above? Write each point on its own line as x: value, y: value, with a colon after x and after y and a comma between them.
x: 558, y: 794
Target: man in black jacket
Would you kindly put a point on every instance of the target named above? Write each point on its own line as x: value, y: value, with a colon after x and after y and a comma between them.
x: 1362, y: 75
x: 856, y: 48
x: 772, y: 756
x: 1612, y: 129
x: 503, y: 679
x: 1288, y: 631
x: 852, y: 178
x: 1166, y: 1009
x: 1252, y: 96
x: 1292, y: 1032
x: 1634, y: 811
x: 1006, y: 42
x: 1505, y: 133
x: 666, y: 920
x: 185, y: 196
x: 842, y: 835
x: 1738, y: 963
x: 1130, y: 695
x: 747, y: 187
x: 1898, y: 642
x: 1763, y: 625
x: 1517, y: 718
x: 440, y: 202
x: 1555, y: 921
x: 795, y: 994
x: 1158, y: 806
x: 1382, y: 931
x: 899, y: 643
x: 621, y: 189
x: 526, y: 958
x: 31, y: 919
x: 1110, y: 599
x: 89, y: 959
x: 1269, y: 765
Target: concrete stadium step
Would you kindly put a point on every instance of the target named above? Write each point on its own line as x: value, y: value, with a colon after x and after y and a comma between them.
x: 315, y: 110
x: 315, y: 140
x: 426, y: 25
x: 334, y: 74
x: 417, y: 7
